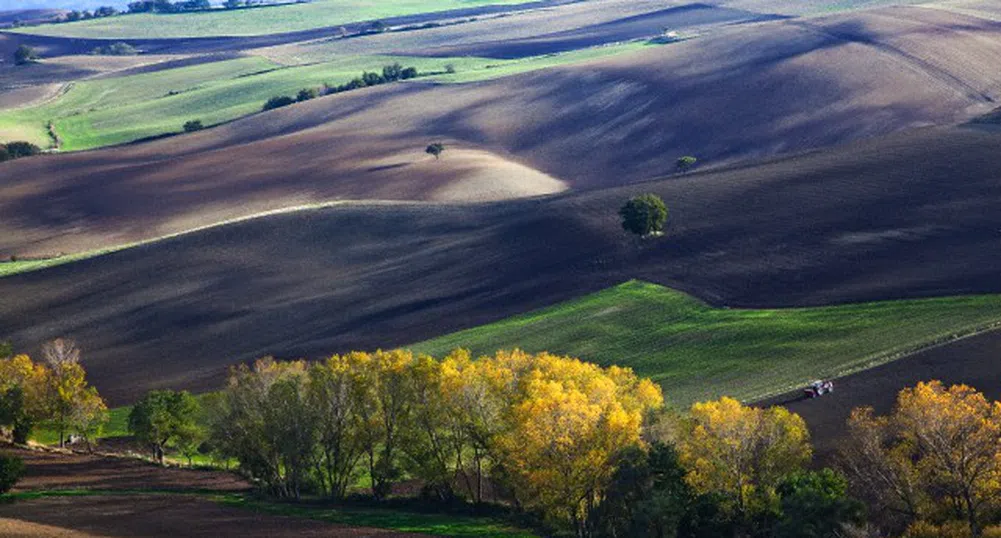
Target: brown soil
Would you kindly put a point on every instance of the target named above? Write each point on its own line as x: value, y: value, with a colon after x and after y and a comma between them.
x: 158, y: 516
x: 777, y: 87
x: 973, y: 361
x: 56, y: 470
x: 911, y: 215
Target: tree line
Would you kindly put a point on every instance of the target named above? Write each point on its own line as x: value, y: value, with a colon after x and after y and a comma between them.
x: 390, y: 73
x: 17, y: 150
x: 578, y: 448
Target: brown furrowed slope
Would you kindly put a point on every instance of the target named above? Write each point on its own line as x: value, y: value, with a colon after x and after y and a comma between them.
x: 753, y: 91
x: 907, y: 216
x: 974, y: 361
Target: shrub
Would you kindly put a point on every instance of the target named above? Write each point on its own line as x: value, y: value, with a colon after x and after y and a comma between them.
x: 392, y: 72
x: 435, y: 149
x: 450, y: 68
x: 685, y: 163
x: 306, y: 94
x: 16, y: 150
x: 193, y: 125
x: 116, y: 49
x: 644, y: 215
x: 11, y: 470
x: 408, y: 73
x: 4, y: 154
x: 372, y: 79
x: 278, y: 101
x: 25, y: 55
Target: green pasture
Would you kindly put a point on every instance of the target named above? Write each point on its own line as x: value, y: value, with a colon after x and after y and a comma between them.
x: 103, y: 112
x: 251, y: 22
x: 697, y: 352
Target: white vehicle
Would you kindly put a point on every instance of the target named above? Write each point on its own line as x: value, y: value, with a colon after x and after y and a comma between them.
x: 819, y: 388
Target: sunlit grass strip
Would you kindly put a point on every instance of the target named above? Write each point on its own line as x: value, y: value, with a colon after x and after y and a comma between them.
x: 698, y: 352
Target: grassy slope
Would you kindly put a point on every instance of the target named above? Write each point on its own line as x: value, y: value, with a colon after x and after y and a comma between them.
x: 697, y: 352
x: 248, y: 22
x: 112, y: 111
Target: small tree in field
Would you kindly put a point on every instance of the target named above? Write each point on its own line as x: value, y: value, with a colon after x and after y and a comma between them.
x: 644, y: 215
x: 25, y: 55
x: 193, y: 125
x: 685, y: 163
x: 435, y: 149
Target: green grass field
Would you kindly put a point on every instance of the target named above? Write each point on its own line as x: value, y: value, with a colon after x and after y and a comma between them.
x: 249, y: 22
x: 697, y: 352
x: 104, y: 112
x: 458, y: 526
x: 117, y: 426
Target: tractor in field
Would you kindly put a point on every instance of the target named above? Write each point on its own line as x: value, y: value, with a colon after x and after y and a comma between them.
x: 818, y: 388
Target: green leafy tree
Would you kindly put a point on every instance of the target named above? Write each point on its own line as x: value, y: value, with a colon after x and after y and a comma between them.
x: 14, y: 414
x: 25, y: 55
x: 647, y: 495
x: 685, y: 163
x: 392, y: 73
x: 11, y: 470
x: 278, y: 101
x: 815, y: 504
x: 435, y: 149
x: 644, y: 215
x: 162, y: 417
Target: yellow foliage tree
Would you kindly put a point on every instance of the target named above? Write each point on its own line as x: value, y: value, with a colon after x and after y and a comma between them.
x: 565, y: 423
x: 741, y: 452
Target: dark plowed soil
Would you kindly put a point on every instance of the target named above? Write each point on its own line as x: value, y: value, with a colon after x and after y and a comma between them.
x: 974, y: 361
x: 912, y: 215
x: 49, y: 470
x: 159, y: 516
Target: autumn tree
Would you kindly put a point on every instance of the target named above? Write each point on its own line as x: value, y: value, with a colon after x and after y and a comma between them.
x: 945, y: 442
x: 566, y: 422
x: 336, y: 393
x: 386, y: 414
x: 23, y: 386
x: 72, y: 405
x: 644, y: 215
x: 265, y: 422
x: 742, y: 452
x: 164, y: 417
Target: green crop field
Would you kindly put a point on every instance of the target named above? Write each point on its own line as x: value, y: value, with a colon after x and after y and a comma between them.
x: 104, y: 112
x: 697, y: 352
x: 250, y: 22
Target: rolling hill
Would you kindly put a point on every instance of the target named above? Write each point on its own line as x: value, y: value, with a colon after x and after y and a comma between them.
x: 778, y: 87
x: 911, y: 215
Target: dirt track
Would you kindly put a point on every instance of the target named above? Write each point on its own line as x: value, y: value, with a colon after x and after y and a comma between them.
x: 777, y: 87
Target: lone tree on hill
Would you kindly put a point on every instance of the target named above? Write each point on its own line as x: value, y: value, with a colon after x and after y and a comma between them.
x: 685, y: 163
x: 25, y: 55
x: 435, y: 149
x: 644, y: 215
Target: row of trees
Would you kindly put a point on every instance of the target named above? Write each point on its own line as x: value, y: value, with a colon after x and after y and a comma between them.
x: 166, y: 6
x: 390, y: 73
x: 584, y: 448
x: 53, y: 393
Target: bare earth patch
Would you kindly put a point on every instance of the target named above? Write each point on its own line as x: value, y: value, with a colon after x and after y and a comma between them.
x: 158, y: 516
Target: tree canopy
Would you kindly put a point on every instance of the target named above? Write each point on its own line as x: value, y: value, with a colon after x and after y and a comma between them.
x: 163, y: 417
x: 644, y: 215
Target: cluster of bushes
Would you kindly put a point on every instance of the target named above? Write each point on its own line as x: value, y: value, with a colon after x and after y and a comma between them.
x: 99, y: 13
x: 390, y: 73
x: 54, y: 393
x: 166, y: 6
x: 17, y: 150
x: 115, y: 49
